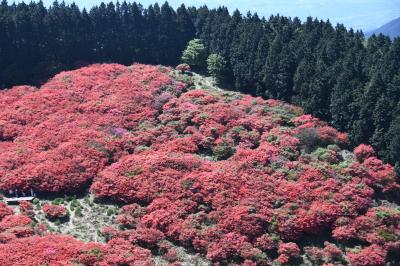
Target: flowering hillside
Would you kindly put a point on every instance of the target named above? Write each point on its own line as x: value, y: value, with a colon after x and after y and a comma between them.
x: 231, y: 178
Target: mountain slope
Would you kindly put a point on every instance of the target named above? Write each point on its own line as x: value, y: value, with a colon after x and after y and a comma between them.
x: 392, y: 29
x: 198, y: 175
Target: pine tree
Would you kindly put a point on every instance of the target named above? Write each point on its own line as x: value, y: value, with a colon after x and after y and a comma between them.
x: 216, y: 66
x: 364, y: 127
x: 344, y: 107
x: 168, y: 36
x: 186, y: 29
x: 393, y: 137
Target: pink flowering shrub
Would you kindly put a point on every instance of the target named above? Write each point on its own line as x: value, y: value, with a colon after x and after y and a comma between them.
x: 5, y: 210
x: 287, y: 251
x: 130, y: 215
x: 363, y: 152
x: 290, y: 249
x: 65, y: 250
x: 26, y: 208
x: 373, y: 255
x: 329, y: 255
x: 380, y: 225
x: 17, y: 225
x: 183, y: 67
x: 54, y: 211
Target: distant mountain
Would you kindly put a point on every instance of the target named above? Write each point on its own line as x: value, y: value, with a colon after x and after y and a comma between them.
x: 391, y: 28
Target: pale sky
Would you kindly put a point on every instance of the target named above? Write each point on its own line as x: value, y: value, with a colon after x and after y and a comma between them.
x: 359, y: 14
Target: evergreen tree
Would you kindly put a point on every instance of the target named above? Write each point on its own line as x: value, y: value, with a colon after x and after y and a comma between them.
x: 186, y: 29
x: 364, y: 126
x: 393, y: 153
x: 168, y: 36
x: 195, y: 53
x: 215, y: 66
x: 151, y: 40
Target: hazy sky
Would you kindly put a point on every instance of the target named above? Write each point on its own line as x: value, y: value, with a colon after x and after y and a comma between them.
x: 359, y: 14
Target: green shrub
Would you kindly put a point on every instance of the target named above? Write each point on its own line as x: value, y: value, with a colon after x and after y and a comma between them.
x: 78, y: 212
x: 58, y: 201
x: 70, y: 198
x: 75, y: 203
x: 273, y: 139
x: 96, y: 252
x: 223, y: 152
x: 388, y: 235
x: 36, y: 201
x: 309, y: 139
x: 187, y: 184
x: 380, y: 214
x: 110, y: 212
x: 87, y: 200
x: 137, y: 171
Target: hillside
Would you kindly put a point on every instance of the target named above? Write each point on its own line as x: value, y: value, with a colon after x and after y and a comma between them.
x: 334, y: 73
x: 392, y: 29
x: 177, y: 171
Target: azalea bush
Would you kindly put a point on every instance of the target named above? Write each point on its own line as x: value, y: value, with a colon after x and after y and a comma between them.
x: 54, y: 211
x: 5, y: 210
x: 26, y: 208
x: 363, y: 152
x: 183, y: 67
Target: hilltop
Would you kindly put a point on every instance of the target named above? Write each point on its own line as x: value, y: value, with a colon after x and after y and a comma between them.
x: 391, y: 29
x: 187, y: 174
